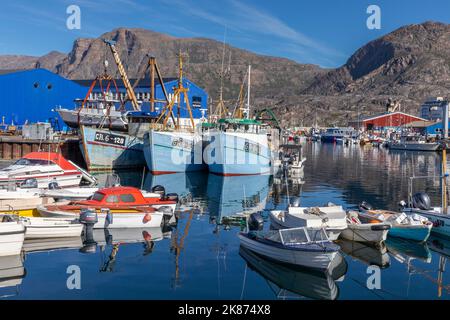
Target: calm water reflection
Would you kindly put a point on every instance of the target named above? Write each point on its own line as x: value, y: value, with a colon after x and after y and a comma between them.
x: 201, y: 258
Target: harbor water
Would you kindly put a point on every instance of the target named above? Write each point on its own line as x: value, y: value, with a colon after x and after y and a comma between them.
x: 200, y: 258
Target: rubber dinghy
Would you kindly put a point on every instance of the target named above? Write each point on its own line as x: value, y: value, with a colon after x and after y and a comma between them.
x: 310, y: 248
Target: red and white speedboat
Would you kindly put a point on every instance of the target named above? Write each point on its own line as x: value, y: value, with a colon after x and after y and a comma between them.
x: 44, y: 167
x: 118, y: 207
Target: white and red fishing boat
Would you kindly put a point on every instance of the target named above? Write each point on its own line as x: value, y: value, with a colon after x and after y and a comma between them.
x: 118, y: 207
x: 45, y: 167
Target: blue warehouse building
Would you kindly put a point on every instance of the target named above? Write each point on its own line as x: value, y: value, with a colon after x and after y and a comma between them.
x: 31, y: 95
x: 198, y: 98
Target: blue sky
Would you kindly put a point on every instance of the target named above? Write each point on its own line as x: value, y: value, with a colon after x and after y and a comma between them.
x: 323, y: 32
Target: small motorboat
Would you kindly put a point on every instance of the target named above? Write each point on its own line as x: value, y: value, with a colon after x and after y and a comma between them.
x: 310, y: 248
x: 12, y: 234
x: 45, y: 167
x: 83, y: 193
x: 118, y: 207
x: 42, y: 228
x: 331, y: 217
x: 116, y: 199
x: 364, y: 232
x: 412, y: 227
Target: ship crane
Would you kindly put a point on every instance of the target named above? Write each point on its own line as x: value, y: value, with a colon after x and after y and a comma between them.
x: 130, y: 92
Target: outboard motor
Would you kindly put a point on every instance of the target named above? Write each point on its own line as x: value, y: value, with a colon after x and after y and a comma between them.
x: 422, y: 201
x: 171, y: 197
x: 167, y: 215
x: 255, y: 222
x: 365, y: 206
x: 88, y: 217
x: 159, y: 190
x: 30, y: 183
x: 53, y: 185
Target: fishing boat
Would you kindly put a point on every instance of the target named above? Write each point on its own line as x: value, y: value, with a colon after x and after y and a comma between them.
x: 118, y: 207
x: 302, y: 246
x: 238, y: 145
x: 338, y: 134
x: 45, y: 167
x: 174, y: 144
x: 412, y: 227
x: 12, y: 234
x: 300, y: 281
x: 331, y: 217
x: 413, y: 143
x: 364, y: 232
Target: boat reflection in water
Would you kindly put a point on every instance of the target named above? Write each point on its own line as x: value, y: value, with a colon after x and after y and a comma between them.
x: 51, y: 244
x: 12, y: 272
x: 302, y: 282
x: 236, y: 195
x: 369, y: 255
x: 406, y: 251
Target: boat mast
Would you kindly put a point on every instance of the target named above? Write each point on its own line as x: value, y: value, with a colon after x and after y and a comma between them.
x: 247, y: 109
x: 444, y: 159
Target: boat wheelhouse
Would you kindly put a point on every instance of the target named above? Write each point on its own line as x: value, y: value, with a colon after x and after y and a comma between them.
x: 333, y: 134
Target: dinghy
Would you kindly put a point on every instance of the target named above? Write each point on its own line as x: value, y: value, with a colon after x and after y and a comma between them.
x: 412, y: 227
x: 331, y: 217
x: 12, y: 235
x: 364, y: 232
x: 302, y: 246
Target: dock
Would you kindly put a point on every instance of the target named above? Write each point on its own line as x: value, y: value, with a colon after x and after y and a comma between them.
x: 15, y: 147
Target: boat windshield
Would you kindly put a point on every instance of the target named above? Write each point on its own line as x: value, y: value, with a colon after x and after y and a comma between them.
x: 32, y: 162
x: 317, y: 235
x: 293, y: 236
x: 98, y: 196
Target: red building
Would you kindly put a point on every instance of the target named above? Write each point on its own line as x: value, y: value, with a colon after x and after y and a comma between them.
x: 394, y: 119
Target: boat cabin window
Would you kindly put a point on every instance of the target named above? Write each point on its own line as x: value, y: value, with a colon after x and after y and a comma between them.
x: 32, y: 162
x: 127, y: 198
x: 98, y: 196
x: 273, y: 236
x: 293, y: 236
x: 112, y: 199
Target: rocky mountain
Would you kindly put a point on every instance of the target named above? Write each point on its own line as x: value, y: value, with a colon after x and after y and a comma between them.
x: 407, y: 65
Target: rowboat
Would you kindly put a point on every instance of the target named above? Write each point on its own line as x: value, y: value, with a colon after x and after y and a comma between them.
x: 412, y: 227
x: 12, y: 235
x: 332, y: 218
x: 364, y: 232
x: 302, y: 246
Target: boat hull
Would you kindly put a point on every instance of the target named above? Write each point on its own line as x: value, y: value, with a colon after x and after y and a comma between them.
x: 105, y: 149
x: 365, y: 233
x: 12, y: 235
x: 234, y: 154
x: 319, y: 260
x: 43, y: 228
x: 171, y: 152
x: 92, y: 117
x: 119, y: 220
x: 441, y: 222
x: 414, y: 146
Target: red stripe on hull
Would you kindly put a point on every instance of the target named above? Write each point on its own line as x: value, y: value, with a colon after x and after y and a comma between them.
x: 238, y: 174
x: 156, y: 173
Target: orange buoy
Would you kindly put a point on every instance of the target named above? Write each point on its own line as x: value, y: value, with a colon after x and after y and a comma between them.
x: 147, y: 217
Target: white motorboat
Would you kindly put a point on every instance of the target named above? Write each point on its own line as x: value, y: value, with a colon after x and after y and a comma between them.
x: 333, y: 218
x: 302, y: 246
x: 12, y: 235
x: 39, y: 228
x: 413, y: 143
x: 45, y: 167
x: 76, y: 193
x: 364, y: 232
